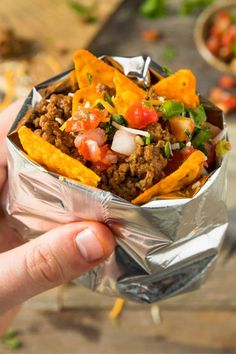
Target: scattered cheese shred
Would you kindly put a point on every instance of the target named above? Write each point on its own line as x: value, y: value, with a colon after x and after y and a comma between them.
x: 117, y: 308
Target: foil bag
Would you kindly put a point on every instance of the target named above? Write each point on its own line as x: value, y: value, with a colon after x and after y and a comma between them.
x: 164, y: 247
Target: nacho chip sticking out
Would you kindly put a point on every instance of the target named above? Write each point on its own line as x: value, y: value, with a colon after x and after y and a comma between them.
x: 187, y: 173
x: 91, y: 71
x: 54, y: 159
x: 180, y: 86
x: 84, y: 95
x: 127, y: 93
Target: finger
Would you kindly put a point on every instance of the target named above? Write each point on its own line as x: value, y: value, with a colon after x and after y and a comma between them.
x: 7, y: 118
x: 57, y: 257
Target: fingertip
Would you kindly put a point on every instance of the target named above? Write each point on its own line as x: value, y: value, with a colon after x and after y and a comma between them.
x: 105, y: 237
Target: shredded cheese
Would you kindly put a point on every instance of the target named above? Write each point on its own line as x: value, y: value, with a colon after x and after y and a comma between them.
x: 117, y: 308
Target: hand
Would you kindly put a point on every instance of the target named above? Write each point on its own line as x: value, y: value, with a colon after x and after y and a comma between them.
x: 56, y: 257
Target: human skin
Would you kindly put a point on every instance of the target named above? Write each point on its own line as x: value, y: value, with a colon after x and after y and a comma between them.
x: 56, y: 257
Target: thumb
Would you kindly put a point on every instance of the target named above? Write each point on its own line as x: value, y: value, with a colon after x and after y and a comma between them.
x: 58, y: 256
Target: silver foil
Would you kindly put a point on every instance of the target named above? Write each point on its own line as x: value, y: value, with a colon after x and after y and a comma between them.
x: 164, y: 247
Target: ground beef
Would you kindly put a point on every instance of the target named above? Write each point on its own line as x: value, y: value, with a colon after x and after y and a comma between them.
x: 101, y: 88
x: 47, y: 118
x: 134, y: 174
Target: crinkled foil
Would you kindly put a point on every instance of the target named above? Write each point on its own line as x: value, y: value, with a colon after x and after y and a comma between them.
x: 165, y: 247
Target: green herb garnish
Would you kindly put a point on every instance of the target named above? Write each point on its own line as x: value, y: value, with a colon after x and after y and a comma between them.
x: 153, y: 8
x: 148, y: 140
x: 87, y: 115
x: 167, y: 150
x: 167, y: 70
x: 119, y: 119
x: 187, y: 132
x: 89, y: 76
x: 199, y: 115
x: 172, y: 108
x: 108, y: 99
x: 10, y: 340
x: 100, y: 106
x: 109, y: 130
x: 222, y: 147
x: 86, y: 12
x: 201, y: 137
x: 188, y: 7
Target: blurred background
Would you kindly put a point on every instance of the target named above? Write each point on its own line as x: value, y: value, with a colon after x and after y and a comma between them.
x: 37, y: 40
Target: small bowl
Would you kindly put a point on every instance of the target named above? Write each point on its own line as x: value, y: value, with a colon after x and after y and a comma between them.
x: 201, y: 32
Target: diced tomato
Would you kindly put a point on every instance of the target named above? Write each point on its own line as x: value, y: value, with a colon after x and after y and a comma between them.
x: 213, y: 44
x: 139, y: 116
x: 96, y: 134
x: 227, y: 81
x: 179, y: 156
x: 223, y: 20
x: 182, y: 127
x: 85, y: 119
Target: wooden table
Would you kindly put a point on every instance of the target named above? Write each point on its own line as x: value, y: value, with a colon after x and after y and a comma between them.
x: 200, y: 322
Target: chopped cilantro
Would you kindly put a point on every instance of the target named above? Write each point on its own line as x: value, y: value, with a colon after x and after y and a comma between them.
x: 199, y: 115
x: 87, y: 115
x: 181, y: 145
x: 153, y: 8
x: 100, y: 106
x: 167, y: 150
x: 119, y: 119
x: 187, y: 132
x: 167, y: 70
x: 108, y: 99
x: 172, y: 108
x: 89, y: 76
x: 188, y: 7
x: 148, y: 140
x: 222, y: 147
x: 201, y: 137
x: 109, y: 130
x: 10, y: 340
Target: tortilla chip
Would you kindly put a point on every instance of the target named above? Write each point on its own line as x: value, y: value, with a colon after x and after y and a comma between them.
x: 187, y: 173
x: 127, y: 93
x: 53, y: 159
x: 180, y: 86
x: 91, y: 71
x: 188, y: 192
x: 86, y: 94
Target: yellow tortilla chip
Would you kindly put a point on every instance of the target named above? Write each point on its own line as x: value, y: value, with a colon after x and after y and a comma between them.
x: 55, y: 160
x: 127, y: 93
x: 180, y: 86
x: 91, y: 71
x: 187, y: 173
x: 188, y: 192
x: 86, y: 94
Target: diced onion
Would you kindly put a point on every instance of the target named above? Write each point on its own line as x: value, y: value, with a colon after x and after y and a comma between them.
x: 87, y: 104
x: 160, y: 98
x: 123, y: 142
x: 219, y: 136
x: 70, y: 94
x: 59, y: 120
x: 131, y: 130
x: 175, y: 146
x: 188, y: 143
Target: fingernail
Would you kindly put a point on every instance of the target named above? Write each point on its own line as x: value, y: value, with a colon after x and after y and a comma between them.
x: 89, y: 246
